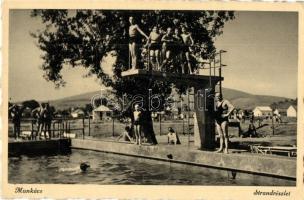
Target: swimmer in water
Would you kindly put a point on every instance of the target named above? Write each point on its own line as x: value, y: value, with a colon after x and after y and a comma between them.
x: 82, y: 168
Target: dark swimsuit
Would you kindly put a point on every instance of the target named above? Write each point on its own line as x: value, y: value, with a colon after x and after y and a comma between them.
x: 170, y: 45
x: 139, y: 119
x: 219, y: 112
x: 154, y: 46
x: 135, y: 39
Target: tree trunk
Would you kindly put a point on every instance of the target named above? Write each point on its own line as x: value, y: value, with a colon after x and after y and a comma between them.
x: 147, y: 127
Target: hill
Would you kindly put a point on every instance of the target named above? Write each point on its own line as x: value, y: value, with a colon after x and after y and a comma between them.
x: 238, y: 98
x: 249, y: 101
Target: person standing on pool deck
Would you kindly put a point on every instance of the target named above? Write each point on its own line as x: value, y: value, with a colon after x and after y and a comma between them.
x: 134, y: 41
x: 47, y: 118
x: 16, y: 114
x: 137, y: 114
x: 223, y: 109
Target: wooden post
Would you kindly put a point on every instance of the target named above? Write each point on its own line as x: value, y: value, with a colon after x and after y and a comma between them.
x: 89, y: 125
x: 59, y: 127
x: 272, y: 125
x: 183, y: 125
x: 112, y: 126
x: 83, y: 128
x: 160, y: 127
x: 53, y: 129
x: 66, y: 126
x: 32, y: 131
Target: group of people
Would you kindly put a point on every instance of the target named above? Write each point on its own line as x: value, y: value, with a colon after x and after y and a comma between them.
x: 43, y: 116
x: 163, y: 47
x: 137, y: 137
x: 223, y: 109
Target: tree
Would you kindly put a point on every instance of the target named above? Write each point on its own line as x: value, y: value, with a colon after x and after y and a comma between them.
x: 32, y: 104
x: 82, y: 38
x: 88, y: 109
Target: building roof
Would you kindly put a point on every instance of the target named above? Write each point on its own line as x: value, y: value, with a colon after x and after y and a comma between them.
x: 102, y: 108
x: 263, y: 108
x: 78, y: 111
x: 294, y: 106
x: 281, y: 109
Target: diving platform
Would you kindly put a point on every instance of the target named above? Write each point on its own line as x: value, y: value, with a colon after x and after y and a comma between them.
x: 204, y: 126
x: 193, y: 80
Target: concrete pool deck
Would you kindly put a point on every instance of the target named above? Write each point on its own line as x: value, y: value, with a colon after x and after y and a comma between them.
x: 37, y: 147
x: 272, y: 166
x: 280, y: 167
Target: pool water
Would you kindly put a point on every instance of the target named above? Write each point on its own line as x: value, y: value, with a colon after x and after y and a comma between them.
x: 116, y: 169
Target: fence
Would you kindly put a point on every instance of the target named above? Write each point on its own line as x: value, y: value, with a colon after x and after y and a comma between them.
x: 59, y: 128
x: 83, y: 127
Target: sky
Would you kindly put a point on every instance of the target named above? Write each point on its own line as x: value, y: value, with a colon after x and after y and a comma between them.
x: 261, y: 58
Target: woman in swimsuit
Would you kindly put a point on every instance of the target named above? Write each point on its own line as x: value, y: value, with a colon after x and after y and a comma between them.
x: 134, y: 41
x: 223, y: 110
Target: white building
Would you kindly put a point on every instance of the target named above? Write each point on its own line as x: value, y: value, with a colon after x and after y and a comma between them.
x: 101, y: 113
x: 77, y: 113
x: 292, y: 111
x: 280, y: 112
x: 262, y: 111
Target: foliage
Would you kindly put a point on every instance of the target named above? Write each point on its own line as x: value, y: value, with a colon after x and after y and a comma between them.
x: 84, y: 37
x: 32, y: 104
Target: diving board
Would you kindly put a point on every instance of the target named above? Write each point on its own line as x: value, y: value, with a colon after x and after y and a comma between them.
x: 192, y: 80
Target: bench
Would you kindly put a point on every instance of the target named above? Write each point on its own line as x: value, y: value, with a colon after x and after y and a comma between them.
x: 290, y: 151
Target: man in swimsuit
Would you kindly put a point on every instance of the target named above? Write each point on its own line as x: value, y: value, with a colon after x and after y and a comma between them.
x: 48, y: 117
x: 178, y: 48
x: 167, y: 47
x: 137, y: 123
x: 223, y: 109
x: 154, y: 46
x: 134, y: 41
x: 16, y: 114
x: 188, y: 42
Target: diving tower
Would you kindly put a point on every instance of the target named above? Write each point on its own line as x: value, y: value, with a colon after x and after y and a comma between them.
x: 204, y: 124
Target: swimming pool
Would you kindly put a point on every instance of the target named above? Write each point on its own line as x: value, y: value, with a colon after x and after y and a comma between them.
x: 115, y: 169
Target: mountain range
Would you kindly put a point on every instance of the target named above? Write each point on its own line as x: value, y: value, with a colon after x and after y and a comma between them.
x: 238, y: 98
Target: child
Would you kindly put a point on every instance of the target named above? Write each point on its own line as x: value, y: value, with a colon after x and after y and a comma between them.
x: 173, y: 137
x: 137, y: 123
x: 126, y: 134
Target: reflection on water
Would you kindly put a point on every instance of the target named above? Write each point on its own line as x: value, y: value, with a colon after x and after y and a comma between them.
x: 115, y: 169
